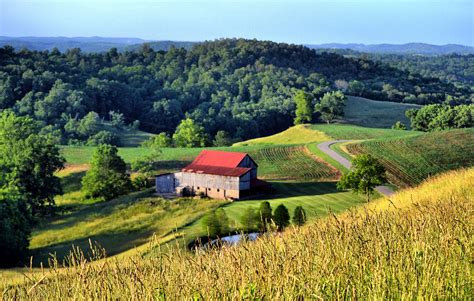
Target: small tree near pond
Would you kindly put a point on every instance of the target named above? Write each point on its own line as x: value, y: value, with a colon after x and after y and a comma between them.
x: 108, y: 176
x: 299, y: 216
x: 216, y: 223
x: 366, y: 174
x: 265, y: 216
x: 281, y: 216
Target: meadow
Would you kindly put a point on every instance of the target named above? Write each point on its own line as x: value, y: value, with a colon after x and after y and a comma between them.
x: 410, y: 160
x: 417, y: 245
x: 375, y: 114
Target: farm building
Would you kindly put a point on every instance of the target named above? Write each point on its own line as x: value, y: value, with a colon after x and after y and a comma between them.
x: 216, y: 174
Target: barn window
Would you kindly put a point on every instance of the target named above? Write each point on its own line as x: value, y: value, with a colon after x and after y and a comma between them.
x: 209, y: 189
x: 198, y: 187
x: 218, y: 190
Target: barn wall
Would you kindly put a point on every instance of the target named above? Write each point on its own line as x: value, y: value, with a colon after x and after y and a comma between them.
x: 165, y: 183
x: 209, y: 181
x: 248, y: 163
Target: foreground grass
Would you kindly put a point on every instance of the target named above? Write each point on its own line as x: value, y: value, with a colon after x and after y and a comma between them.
x: 421, y: 248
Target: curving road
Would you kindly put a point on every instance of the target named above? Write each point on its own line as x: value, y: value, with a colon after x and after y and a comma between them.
x: 325, y: 147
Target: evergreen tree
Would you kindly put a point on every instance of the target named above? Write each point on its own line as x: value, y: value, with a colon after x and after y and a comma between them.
x: 299, y: 216
x: 108, y: 176
x: 281, y: 217
x: 265, y: 216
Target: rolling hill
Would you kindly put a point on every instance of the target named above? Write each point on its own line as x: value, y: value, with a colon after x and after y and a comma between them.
x: 408, y: 48
x: 410, y: 160
x: 418, y: 238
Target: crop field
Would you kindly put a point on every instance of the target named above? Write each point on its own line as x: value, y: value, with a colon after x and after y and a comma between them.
x: 401, y: 248
x: 375, y: 114
x: 292, y: 162
x: 413, y: 159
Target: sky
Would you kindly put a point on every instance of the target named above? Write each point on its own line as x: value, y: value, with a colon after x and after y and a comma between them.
x: 293, y: 21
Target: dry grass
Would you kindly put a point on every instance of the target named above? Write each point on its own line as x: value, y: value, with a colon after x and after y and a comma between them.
x: 419, y: 249
x: 298, y: 134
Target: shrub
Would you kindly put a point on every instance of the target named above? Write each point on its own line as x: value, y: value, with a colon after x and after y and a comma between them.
x: 399, y: 126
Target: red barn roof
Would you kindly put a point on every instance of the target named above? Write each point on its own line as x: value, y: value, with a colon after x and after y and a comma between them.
x: 218, y: 163
x: 219, y: 158
x: 217, y: 170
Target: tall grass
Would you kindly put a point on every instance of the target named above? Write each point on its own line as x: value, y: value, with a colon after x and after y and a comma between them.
x: 417, y: 249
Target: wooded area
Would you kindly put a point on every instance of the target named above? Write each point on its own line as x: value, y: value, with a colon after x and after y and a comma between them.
x: 242, y: 87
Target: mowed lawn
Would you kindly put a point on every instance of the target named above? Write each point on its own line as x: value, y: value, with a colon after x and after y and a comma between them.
x: 317, y: 198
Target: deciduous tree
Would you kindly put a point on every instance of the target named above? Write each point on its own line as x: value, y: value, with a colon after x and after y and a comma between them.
x: 366, y: 173
x: 107, y: 178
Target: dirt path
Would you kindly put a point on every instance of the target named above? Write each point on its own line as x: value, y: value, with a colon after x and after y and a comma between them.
x: 325, y: 147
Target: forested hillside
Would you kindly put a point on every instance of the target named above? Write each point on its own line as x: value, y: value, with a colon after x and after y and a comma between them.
x: 243, y: 87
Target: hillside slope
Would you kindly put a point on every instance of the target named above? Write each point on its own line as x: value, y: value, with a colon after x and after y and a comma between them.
x: 410, y: 160
x: 399, y: 253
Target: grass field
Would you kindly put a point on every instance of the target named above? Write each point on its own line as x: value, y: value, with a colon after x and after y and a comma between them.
x: 410, y: 160
x: 298, y: 134
x: 375, y: 114
x: 353, y: 132
x: 415, y: 246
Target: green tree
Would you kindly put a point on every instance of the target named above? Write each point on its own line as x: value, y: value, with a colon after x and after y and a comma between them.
x: 89, y: 125
x: 15, y: 229
x: 331, y: 106
x: 299, y: 216
x: 189, y: 134
x: 29, y: 162
x: 117, y: 119
x: 103, y: 137
x: 281, y: 216
x: 304, y: 109
x: 158, y: 141
x: 250, y: 219
x: 365, y: 175
x: 222, y: 139
x: 399, y: 126
x: 216, y: 223
x: 107, y: 178
x: 265, y: 216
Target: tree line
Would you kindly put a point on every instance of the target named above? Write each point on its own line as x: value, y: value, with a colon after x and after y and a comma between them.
x: 244, y: 88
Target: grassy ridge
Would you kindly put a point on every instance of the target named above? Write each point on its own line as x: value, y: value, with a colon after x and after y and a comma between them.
x: 421, y: 248
x: 353, y: 132
x: 410, y: 160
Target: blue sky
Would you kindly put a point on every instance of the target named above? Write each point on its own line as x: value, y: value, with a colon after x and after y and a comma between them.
x: 297, y: 21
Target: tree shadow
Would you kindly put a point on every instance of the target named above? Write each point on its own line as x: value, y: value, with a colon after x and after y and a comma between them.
x: 284, y: 189
x: 116, y: 242
x: 72, y: 182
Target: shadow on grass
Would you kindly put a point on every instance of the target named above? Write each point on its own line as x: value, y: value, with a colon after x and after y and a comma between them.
x: 116, y: 243
x: 72, y: 182
x: 280, y: 190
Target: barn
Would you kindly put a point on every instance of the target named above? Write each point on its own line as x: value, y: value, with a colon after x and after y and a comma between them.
x: 216, y: 174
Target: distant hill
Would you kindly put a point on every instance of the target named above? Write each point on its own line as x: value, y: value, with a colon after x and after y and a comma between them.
x: 88, y: 44
x: 409, y: 48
